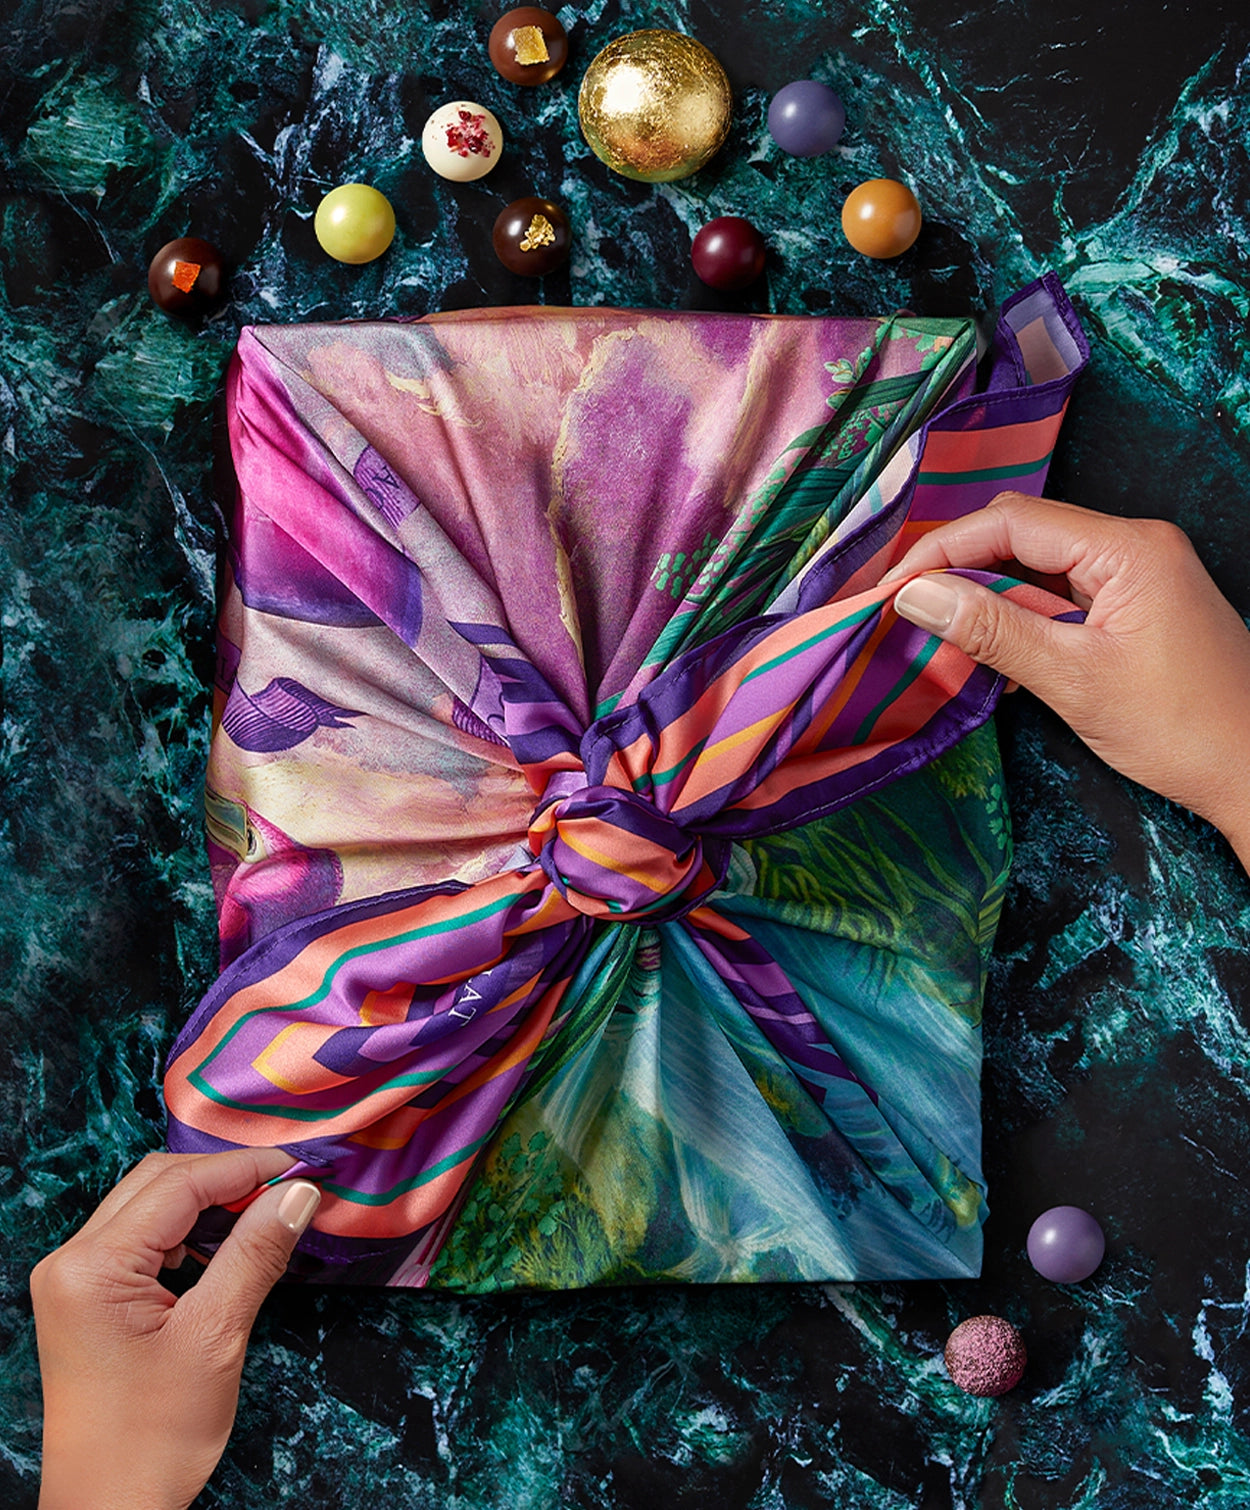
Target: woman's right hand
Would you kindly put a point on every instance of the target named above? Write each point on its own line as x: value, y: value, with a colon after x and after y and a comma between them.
x: 1156, y: 680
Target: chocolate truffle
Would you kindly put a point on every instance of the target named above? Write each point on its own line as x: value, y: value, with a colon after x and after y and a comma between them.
x: 985, y: 1355
x: 806, y: 118
x: 655, y: 105
x: 728, y: 253
x: 881, y: 218
x: 354, y: 223
x: 531, y: 236
x: 186, y: 276
x: 462, y: 141
x: 1066, y: 1244
x: 528, y: 46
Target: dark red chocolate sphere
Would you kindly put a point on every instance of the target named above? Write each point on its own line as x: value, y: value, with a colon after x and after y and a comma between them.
x: 728, y: 253
x: 186, y: 276
x: 531, y: 236
x: 528, y: 45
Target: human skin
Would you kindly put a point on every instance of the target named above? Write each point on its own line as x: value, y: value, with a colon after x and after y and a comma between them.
x: 1156, y: 681
x: 140, y: 1387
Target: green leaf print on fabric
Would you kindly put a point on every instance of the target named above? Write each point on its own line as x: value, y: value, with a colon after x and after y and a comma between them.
x: 661, y: 1149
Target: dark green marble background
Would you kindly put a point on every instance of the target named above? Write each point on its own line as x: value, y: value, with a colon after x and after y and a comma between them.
x: 1107, y: 141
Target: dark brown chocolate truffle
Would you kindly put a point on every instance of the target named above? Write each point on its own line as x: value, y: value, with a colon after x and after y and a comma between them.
x: 531, y: 236
x: 528, y: 45
x: 186, y: 276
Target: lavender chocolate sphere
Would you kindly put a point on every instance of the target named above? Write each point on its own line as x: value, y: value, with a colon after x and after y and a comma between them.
x: 806, y: 118
x: 985, y: 1355
x: 728, y: 253
x: 1066, y: 1244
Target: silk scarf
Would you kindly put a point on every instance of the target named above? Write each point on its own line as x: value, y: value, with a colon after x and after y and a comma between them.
x: 606, y: 875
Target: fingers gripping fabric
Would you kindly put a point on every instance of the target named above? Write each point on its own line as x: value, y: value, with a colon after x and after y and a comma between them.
x: 606, y: 874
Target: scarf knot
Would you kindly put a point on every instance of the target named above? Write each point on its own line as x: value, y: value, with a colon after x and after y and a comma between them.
x: 612, y: 854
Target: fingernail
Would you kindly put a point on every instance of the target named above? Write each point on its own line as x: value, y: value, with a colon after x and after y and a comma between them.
x: 894, y: 571
x: 928, y: 603
x: 298, y: 1205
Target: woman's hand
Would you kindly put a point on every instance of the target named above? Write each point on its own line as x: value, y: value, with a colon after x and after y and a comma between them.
x: 1157, y: 679
x: 140, y: 1388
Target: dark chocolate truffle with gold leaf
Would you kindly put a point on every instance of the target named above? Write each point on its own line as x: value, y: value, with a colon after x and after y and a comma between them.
x: 655, y: 105
x: 528, y: 45
x: 531, y: 236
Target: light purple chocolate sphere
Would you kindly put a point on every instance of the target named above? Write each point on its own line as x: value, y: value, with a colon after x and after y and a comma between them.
x: 1066, y: 1244
x: 806, y: 118
x: 985, y: 1356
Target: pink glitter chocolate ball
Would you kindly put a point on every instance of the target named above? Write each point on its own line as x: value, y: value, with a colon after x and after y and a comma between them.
x: 985, y: 1355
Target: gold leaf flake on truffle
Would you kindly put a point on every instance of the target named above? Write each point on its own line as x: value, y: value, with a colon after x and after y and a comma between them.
x: 539, y: 232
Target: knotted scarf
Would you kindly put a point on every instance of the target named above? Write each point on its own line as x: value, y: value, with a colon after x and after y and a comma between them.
x: 605, y: 892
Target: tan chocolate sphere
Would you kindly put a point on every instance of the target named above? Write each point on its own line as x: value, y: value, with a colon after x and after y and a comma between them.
x: 655, y: 106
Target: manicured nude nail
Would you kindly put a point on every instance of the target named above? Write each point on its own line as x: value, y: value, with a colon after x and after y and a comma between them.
x: 298, y: 1205
x: 931, y: 605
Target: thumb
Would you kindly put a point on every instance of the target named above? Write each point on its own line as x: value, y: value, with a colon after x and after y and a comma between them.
x: 1025, y: 646
x: 253, y: 1257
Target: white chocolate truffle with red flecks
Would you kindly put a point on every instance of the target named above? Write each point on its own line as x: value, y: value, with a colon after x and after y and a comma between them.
x: 462, y: 141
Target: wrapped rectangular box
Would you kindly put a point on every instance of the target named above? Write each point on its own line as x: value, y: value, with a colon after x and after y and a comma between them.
x: 606, y: 874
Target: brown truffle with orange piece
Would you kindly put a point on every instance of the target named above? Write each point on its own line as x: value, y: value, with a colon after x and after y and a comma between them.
x: 186, y: 276
x: 528, y: 46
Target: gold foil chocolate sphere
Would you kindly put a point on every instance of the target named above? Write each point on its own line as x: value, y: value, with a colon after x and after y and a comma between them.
x: 655, y: 106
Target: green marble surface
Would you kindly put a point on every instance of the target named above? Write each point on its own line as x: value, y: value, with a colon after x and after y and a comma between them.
x: 1108, y: 143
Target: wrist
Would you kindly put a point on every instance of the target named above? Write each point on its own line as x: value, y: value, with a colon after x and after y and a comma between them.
x: 1231, y: 815
x: 68, y: 1487
x: 78, y: 1475
x: 1237, y: 832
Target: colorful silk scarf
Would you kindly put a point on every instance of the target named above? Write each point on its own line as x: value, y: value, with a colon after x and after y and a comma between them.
x: 606, y: 874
